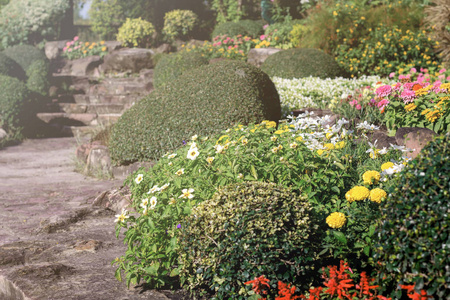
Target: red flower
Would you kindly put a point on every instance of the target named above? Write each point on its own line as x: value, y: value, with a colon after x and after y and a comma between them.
x: 412, y: 294
x: 364, y: 285
x: 286, y: 292
x: 259, y: 285
x: 339, y: 281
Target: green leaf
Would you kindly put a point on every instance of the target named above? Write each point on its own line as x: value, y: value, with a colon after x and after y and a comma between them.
x: 118, y: 275
x: 371, y: 230
x: 253, y: 171
x: 174, y: 272
x: 341, y: 166
x: 340, y: 237
x: 366, y: 250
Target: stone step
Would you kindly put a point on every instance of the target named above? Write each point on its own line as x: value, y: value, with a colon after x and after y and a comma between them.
x: 126, y: 100
x: 81, y: 133
x: 107, y: 119
x: 100, y: 108
x: 119, y: 88
x: 69, y: 119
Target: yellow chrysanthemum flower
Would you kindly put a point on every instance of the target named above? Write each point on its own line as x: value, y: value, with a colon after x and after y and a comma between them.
x: 357, y: 193
x: 377, y: 195
x: 371, y: 177
x: 329, y: 146
x: 339, y: 145
x: 387, y: 165
x: 410, y: 107
x: 336, y: 220
x: 299, y: 138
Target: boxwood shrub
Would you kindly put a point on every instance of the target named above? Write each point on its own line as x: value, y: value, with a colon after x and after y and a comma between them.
x: 14, y: 98
x: 9, y: 67
x: 414, y: 237
x: 171, y: 66
x: 38, y: 77
x: 204, y: 101
x: 245, y: 229
x: 302, y: 62
x: 25, y: 55
x: 253, y: 28
x: 229, y: 28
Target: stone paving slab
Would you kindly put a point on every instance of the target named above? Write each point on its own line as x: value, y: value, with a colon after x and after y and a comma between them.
x: 53, y: 243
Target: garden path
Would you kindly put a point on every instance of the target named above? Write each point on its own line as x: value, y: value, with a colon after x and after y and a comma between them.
x: 53, y: 243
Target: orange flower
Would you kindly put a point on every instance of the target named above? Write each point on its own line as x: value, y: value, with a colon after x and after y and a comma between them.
x: 286, y: 292
x: 417, y: 87
x: 412, y: 294
x: 259, y: 285
x: 339, y: 281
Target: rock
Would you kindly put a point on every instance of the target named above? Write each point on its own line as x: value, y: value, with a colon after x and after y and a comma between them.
x: 53, y: 49
x: 83, y: 66
x: 146, y: 74
x: 90, y: 245
x: 414, y: 138
x: 99, y: 161
x: 3, y: 134
x: 317, y: 111
x: 131, y: 60
x: 164, y: 48
x: 82, y: 151
x: 115, y: 200
x: 256, y: 57
x: 382, y: 138
x: 113, y: 45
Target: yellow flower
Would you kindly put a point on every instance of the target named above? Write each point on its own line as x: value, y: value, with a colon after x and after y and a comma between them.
x: 336, y: 220
x: 371, y: 177
x: 210, y: 160
x: 320, y: 151
x: 377, y: 195
x: 273, y: 138
x: 293, y: 145
x: 410, y: 107
x: 329, y: 146
x: 279, y: 131
x: 86, y: 44
x: 339, y: 145
x: 335, y: 13
x: 357, y: 193
x: 270, y: 124
x: 387, y: 165
x: 104, y: 49
x: 329, y: 135
x: 274, y: 150
x: 299, y: 138
x: 244, y: 141
x: 432, y: 115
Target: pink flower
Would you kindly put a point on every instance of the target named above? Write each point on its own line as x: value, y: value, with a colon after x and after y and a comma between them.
x: 383, y: 91
x: 225, y: 41
x: 262, y: 37
x: 398, y: 86
x: 408, y: 96
x: 423, y: 70
x: 382, y: 104
x: 70, y: 50
x: 358, y: 107
x: 230, y: 47
x: 235, y: 46
x: 401, y: 77
x: 413, y: 70
x: 76, y: 38
x: 442, y: 71
x: 441, y: 77
x: 219, y: 43
x: 64, y: 49
x: 265, y: 26
x: 448, y: 78
x: 68, y: 44
x: 392, y: 75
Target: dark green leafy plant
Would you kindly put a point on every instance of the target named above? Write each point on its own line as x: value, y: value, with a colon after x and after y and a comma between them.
x: 106, y: 17
x: 299, y: 63
x: 229, y: 29
x: 25, y: 55
x: 414, y: 236
x: 245, y: 229
x: 13, y: 100
x: 171, y: 66
x: 38, y: 77
x: 9, y: 67
x: 204, y: 101
x: 253, y: 28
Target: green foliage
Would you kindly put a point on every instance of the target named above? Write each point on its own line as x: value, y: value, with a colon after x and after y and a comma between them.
x: 387, y: 49
x: 299, y: 63
x: 280, y: 33
x: 136, y: 33
x: 296, y: 35
x: 203, y: 101
x: 179, y: 24
x: 252, y: 28
x: 229, y: 29
x: 106, y: 16
x: 31, y: 21
x: 11, y: 68
x: 38, y: 77
x: 227, y: 11
x: 171, y: 66
x: 245, y: 229
x: 13, y: 100
x: 25, y: 55
x: 414, y: 235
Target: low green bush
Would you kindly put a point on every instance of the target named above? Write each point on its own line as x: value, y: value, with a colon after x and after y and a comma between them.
x: 414, y: 239
x: 253, y: 28
x: 203, y: 101
x: 38, y: 77
x: 136, y: 33
x: 245, y: 229
x: 9, y: 67
x: 229, y: 29
x: 13, y: 101
x: 179, y: 24
x: 171, y: 66
x: 25, y: 55
x: 299, y: 63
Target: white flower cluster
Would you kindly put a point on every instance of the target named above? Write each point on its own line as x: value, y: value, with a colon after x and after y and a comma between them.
x: 313, y: 91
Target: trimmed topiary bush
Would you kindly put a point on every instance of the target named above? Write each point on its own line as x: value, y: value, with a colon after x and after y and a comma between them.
x: 414, y: 237
x: 179, y: 24
x: 14, y: 97
x: 136, y: 33
x: 245, y: 229
x: 299, y: 63
x: 9, y: 67
x: 204, y: 101
x: 25, y: 55
x: 229, y: 29
x: 38, y: 74
x: 171, y: 66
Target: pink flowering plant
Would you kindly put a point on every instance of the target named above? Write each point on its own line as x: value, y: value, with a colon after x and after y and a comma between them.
x: 224, y: 46
x: 418, y: 103
x: 77, y: 49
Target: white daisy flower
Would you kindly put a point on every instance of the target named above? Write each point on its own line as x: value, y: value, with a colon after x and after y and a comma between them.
x: 219, y: 148
x: 187, y: 194
x: 194, y: 137
x: 144, y: 203
x: 153, y: 202
x: 193, y: 153
x: 164, y: 187
x: 154, y: 189
x: 139, y: 178
x: 121, y: 218
x: 179, y: 172
x: 172, y: 155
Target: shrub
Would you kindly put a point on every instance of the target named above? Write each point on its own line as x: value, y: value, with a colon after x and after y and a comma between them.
x: 9, y: 67
x: 246, y: 228
x: 25, y: 55
x: 136, y: 33
x: 31, y: 21
x: 229, y: 29
x: 437, y: 19
x: 299, y: 63
x: 203, y: 101
x: 38, y: 77
x: 252, y: 28
x: 279, y: 33
x: 179, y: 24
x: 171, y: 66
x: 414, y: 234
x: 13, y: 100
x: 106, y: 17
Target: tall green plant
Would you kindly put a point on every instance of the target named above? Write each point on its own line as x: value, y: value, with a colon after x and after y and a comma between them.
x: 106, y: 17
